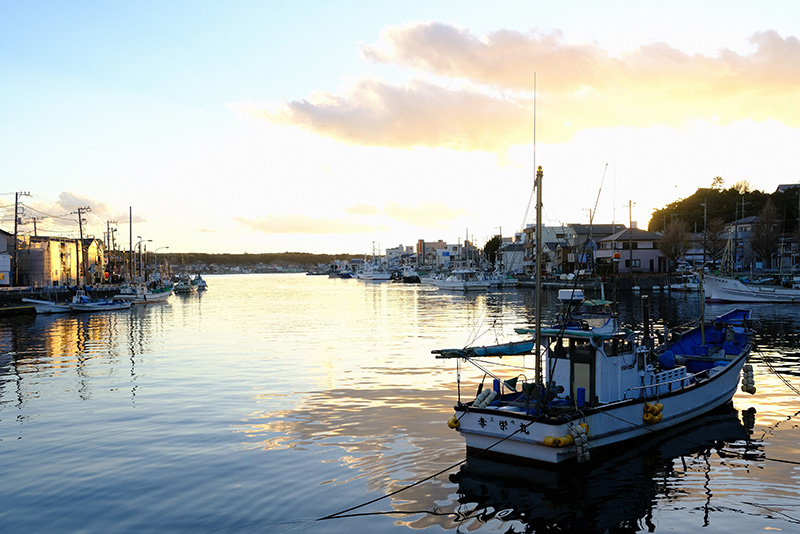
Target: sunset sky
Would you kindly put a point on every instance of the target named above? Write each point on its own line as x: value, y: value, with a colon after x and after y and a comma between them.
x: 333, y: 127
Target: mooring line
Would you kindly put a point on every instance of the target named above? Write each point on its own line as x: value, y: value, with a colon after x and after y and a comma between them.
x: 341, y: 513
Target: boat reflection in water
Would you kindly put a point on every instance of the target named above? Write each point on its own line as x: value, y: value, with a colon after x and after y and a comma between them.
x: 618, y: 495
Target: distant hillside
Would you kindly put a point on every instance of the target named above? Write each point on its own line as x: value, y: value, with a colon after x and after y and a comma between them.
x: 280, y: 258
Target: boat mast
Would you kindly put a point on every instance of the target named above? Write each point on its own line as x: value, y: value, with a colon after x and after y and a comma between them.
x: 538, y: 260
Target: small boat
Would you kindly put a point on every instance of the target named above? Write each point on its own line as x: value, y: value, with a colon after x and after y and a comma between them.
x: 409, y: 276
x: 199, y: 283
x: 727, y: 289
x: 48, y: 306
x: 687, y: 282
x: 463, y: 279
x: 81, y: 302
x: 184, y: 285
x: 141, y: 294
x: 373, y: 273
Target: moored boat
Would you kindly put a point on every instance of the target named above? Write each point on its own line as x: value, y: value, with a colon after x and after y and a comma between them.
x: 48, y: 306
x: 463, y: 279
x: 602, y: 388
x: 82, y: 302
x: 141, y: 294
x: 726, y: 289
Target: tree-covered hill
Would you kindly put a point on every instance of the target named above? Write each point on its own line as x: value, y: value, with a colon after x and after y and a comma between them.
x: 726, y: 205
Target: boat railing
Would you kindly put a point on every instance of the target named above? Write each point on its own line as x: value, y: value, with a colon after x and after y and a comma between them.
x: 690, y: 378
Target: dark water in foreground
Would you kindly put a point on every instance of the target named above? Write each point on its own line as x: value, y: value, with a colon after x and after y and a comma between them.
x: 271, y: 401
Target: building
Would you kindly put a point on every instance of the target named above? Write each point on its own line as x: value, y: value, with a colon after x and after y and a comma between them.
x: 54, y: 261
x: 5, y: 258
x: 637, y: 252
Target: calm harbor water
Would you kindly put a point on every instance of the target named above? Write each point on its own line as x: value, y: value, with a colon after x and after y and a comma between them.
x: 269, y: 402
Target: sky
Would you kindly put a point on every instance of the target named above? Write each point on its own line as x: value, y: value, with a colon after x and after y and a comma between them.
x: 351, y: 126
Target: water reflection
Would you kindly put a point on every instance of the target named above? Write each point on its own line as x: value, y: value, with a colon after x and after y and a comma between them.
x: 38, y: 350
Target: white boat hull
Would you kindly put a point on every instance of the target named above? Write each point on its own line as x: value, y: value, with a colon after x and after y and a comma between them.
x: 46, y: 306
x: 137, y: 296
x: 719, y: 289
x: 108, y: 305
x: 475, y: 285
x: 516, y: 435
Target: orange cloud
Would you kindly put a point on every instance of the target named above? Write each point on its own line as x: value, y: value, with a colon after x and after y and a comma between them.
x: 362, y: 209
x: 301, y: 224
x: 430, y: 215
x: 579, y: 87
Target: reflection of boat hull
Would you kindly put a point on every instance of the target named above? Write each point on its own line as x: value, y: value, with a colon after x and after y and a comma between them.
x: 619, y: 490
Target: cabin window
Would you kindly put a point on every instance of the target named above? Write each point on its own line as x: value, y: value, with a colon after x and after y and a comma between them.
x: 617, y: 346
x: 582, y: 351
x: 560, y: 348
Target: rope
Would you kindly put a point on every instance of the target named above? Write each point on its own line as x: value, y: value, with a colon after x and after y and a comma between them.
x: 341, y: 513
x: 775, y: 371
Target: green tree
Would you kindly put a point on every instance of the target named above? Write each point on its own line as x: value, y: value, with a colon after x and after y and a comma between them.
x: 764, y: 238
x: 675, y: 239
x: 715, y: 238
x: 491, y: 248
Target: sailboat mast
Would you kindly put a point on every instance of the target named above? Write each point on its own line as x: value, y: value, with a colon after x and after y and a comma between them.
x: 538, y: 263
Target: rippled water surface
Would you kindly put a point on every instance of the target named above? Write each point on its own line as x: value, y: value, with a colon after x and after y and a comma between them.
x: 269, y: 402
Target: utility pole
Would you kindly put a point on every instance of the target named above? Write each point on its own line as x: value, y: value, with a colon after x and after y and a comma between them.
x: 705, y: 224
x: 81, y: 254
x: 630, y: 235
x: 16, y: 222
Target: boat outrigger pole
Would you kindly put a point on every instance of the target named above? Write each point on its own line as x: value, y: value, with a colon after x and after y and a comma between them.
x: 538, y: 260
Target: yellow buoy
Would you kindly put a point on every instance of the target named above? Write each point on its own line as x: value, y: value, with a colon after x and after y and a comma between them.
x: 647, y: 408
x: 657, y: 418
x: 564, y: 441
x: 656, y: 408
x: 585, y: 428
x: 453, y: 422
x: 648, y: 418
x: 550, y: 441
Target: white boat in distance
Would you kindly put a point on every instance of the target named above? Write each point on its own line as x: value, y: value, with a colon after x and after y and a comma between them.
x: 184, y: 285
x: 724, y: 289
x: 463, y: 279
x: 373, y: 273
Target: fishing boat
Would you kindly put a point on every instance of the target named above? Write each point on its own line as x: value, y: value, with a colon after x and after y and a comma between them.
x: 463, y: 279
x: 595, y: 384
x: 199, y: 282
x: 184, y: 285
x: 82, y: 302
x: 728, y: 289
x: 372, y: 272
x: 141, y: 294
